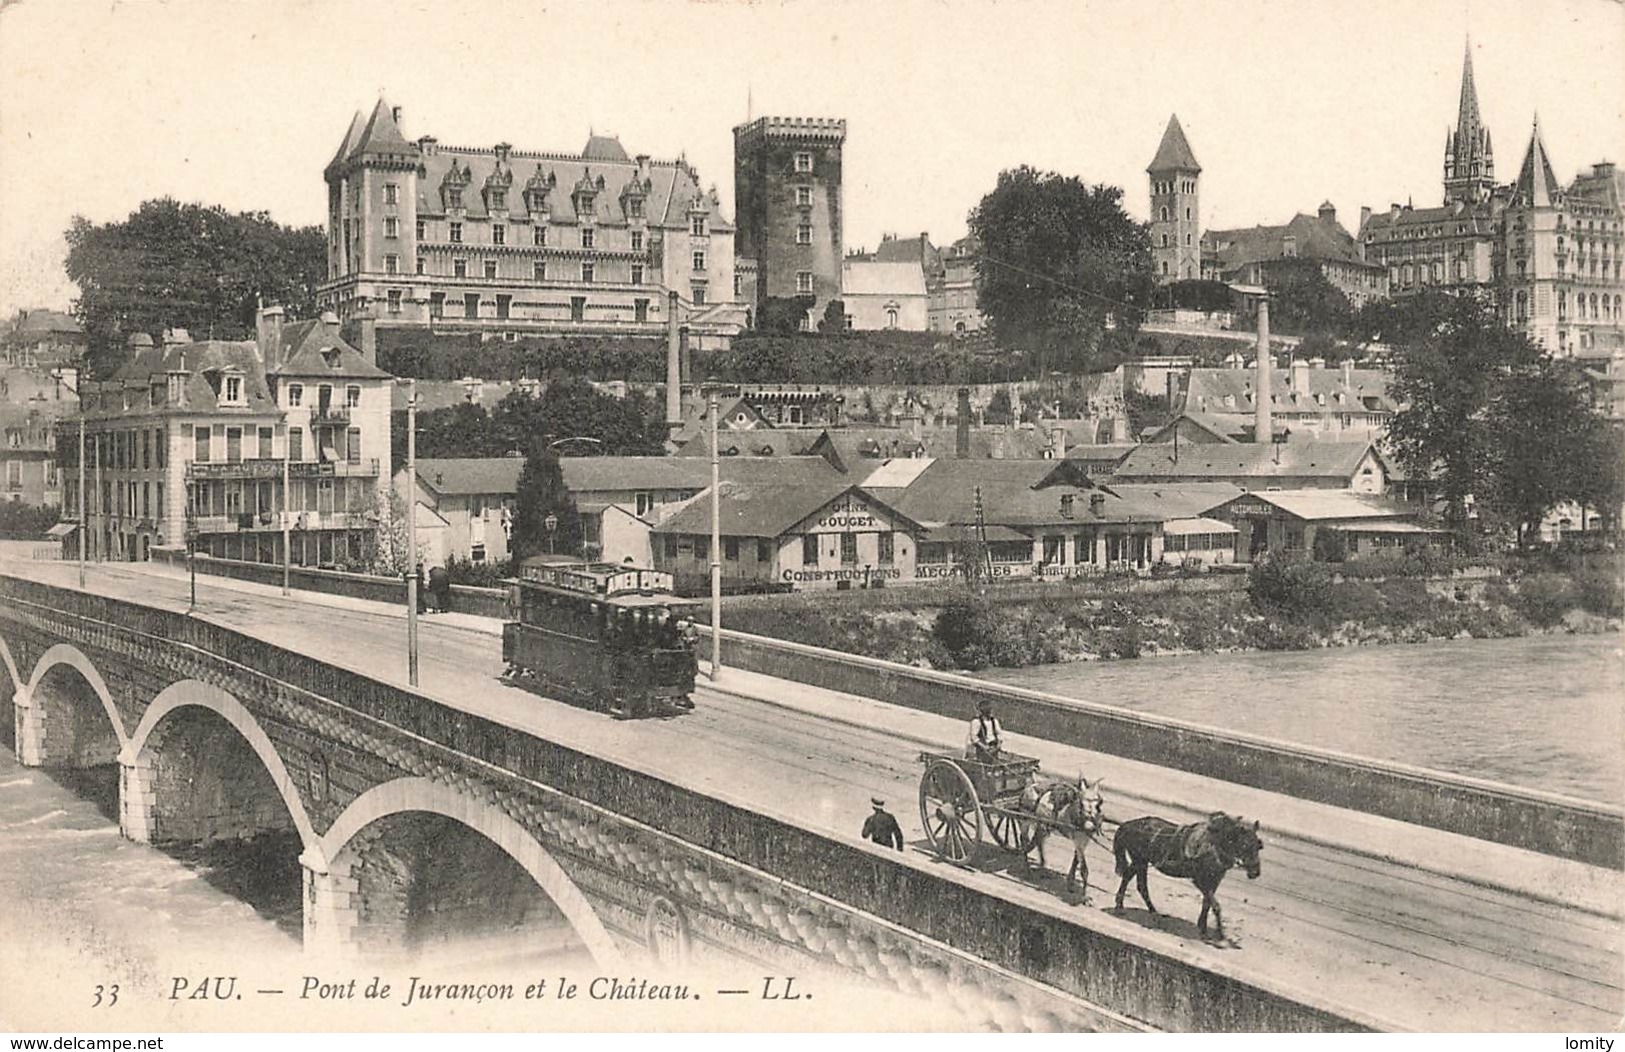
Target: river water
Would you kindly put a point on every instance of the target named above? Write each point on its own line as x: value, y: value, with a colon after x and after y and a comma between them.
x: 1543, y: 712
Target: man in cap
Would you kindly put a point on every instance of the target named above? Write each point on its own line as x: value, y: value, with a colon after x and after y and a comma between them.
x: 986, y: 739
x: 881, y: 827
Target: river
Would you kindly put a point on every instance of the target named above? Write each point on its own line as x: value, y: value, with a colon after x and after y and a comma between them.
x: 1542, y: 712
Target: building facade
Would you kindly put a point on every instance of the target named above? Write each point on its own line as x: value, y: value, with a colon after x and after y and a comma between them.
x: 1548, y: 256
x: 43, y: 339
x: 954, y: 295
x: 186, y: 444
x: 1175, y: 207
x: 1254, y: 256
x: 787, y: 204
x: 505, y: 240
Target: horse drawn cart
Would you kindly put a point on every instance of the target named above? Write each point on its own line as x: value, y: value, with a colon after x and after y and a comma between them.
x: 964, y: 803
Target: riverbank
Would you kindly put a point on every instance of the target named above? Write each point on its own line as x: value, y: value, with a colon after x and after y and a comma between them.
x: 1288, y: 606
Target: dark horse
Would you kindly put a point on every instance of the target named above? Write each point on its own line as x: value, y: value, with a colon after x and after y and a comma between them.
x: 1202, y: 852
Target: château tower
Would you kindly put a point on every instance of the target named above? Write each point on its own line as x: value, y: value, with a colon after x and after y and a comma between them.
x: 787, y: 204
x: 1176, y: 237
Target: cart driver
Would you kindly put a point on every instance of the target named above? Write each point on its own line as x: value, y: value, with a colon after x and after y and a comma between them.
x: 986, y: 738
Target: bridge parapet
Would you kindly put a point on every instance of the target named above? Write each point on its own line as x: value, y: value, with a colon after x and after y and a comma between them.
x: 653, y: 857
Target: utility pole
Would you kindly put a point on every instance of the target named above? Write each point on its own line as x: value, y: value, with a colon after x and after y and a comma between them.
x: 84, y: 536
x: 412, y: 532
x: 716, y: 542
x: 287, y: 504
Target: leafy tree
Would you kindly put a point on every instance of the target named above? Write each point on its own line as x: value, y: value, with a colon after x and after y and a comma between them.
x: 542, y: 493
x: 1303, y: 302
x: 1447, y: 381
x: 1547, y: 446
x: 190, y: 266
x: 1193, y: 294
x: 784, y: 314
x: 1059, y: 258
x: 1405, y: 321
x: 999, y: 409
x: 834, y: 320
x: 568, y: 407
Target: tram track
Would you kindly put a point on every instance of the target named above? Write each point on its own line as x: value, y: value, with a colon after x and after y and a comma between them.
x: 1430, y: 950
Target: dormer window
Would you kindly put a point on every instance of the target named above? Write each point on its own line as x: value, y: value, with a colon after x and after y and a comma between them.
x: 454, y: 198
x: 634, y: 207
x: 499, y: 199
x: 234, y: 390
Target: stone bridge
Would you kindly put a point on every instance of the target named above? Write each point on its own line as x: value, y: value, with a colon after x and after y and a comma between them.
x: 410, y: 814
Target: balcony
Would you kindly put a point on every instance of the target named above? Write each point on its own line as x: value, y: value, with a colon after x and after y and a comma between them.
x: 271, y: 522
x: 331, y: 415
x: 271, y: 468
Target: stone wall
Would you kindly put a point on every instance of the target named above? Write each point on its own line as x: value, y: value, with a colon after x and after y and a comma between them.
x: 746, y: 875
x: 1520, y: 818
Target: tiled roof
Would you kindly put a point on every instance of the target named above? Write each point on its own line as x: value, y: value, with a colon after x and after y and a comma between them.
x: 206, y: 363
x: 604, y: 148
x: 1314, y: 238
x: 43, y: 321
x: 1309, y: 458
x: 464, y: 476
x: 1478, y: 218
x: 381, y: 135
x: 754, y: 443
x: 1017, y: 493
x: 1174, y: 152
x: 1536, y: 184
x: 757, y: 507
x: 308, y: 348
x: 1222, y: 391
x: 607, y: 474
x: 673, y: 186
x: 1320, y: 504
x: 909, y: 250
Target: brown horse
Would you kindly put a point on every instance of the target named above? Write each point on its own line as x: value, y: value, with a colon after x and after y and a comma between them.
x: 1202, y: 852
x: 1073, y: 808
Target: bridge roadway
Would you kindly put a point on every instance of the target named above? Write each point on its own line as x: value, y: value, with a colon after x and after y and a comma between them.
x: 1393, y: 941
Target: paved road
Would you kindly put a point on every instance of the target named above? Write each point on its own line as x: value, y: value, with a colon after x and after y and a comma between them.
x: 1396, y: 942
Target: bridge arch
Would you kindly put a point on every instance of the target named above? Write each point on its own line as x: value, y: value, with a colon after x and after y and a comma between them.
x: 8, y: 697
x: 73, y: 657
x: 423, y: 795
x: 136, y: 756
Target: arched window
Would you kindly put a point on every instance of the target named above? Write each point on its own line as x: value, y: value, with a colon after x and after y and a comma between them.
x: 1405, y: 275
x: 1163, y: 213
x: 891, y: 317
x: 1165, y: 241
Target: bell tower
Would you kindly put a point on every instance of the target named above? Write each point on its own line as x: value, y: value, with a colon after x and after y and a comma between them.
x: 1469, y: 160
x: 1176, y: 236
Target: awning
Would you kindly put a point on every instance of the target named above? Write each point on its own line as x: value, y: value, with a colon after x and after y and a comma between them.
x: 1184, y: 527
x: 61, y: 529
x: 1386, y: 527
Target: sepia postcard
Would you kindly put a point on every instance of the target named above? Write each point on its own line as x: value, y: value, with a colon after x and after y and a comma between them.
x: 929, y: 517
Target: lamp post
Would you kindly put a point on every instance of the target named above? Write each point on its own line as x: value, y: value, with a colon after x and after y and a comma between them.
x: 412, y: 532
x: 550, y: 524
x: 716, y: 539
x: 287, y: 504
x: 84, y: 537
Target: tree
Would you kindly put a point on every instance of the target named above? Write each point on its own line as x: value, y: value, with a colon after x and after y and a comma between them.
x: 1303, y: 302
x: 568, y: 407
x: 1059, y: 258
x: 541, y: 494
x: 784, y: 314
x: 834, y: 321
x: 1193, y: 294
x: 1547, y: 446
x: 189, y: 266
x: 1447, y: 379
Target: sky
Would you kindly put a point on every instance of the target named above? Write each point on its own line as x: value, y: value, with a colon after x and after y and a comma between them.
x: 1286, y: 103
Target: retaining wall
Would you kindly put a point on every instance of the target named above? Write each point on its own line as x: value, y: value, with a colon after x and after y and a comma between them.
x: 1543, y: 822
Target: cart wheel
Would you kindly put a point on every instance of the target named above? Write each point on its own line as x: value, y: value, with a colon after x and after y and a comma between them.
x: 950, y: 812
x: 1012, y: 832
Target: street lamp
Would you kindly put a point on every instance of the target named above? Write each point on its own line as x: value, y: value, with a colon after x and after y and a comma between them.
x: 716, y: 536
x: 411, y: 530
x: 550, y: 524
x: 56, y: 374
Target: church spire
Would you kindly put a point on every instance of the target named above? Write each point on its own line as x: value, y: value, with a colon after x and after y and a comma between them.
x: 1469, y: 166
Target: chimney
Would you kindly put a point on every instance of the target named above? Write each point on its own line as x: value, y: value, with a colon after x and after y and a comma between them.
x: 1300, y: 378
x: 369, y: 339
x: 268, y: 333
x: 1327, y: 212
x: 1348, y: 372
x: 674, y: 369
x: 1365, y: 217
x: 1097, y: 501
x: 501, y: 149
x: 1261, y: 397
x: 1058, y: 440
x: 962, y: 425
x: 1393, y: 211
x: 330, y: 324
x: 176, y: 337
